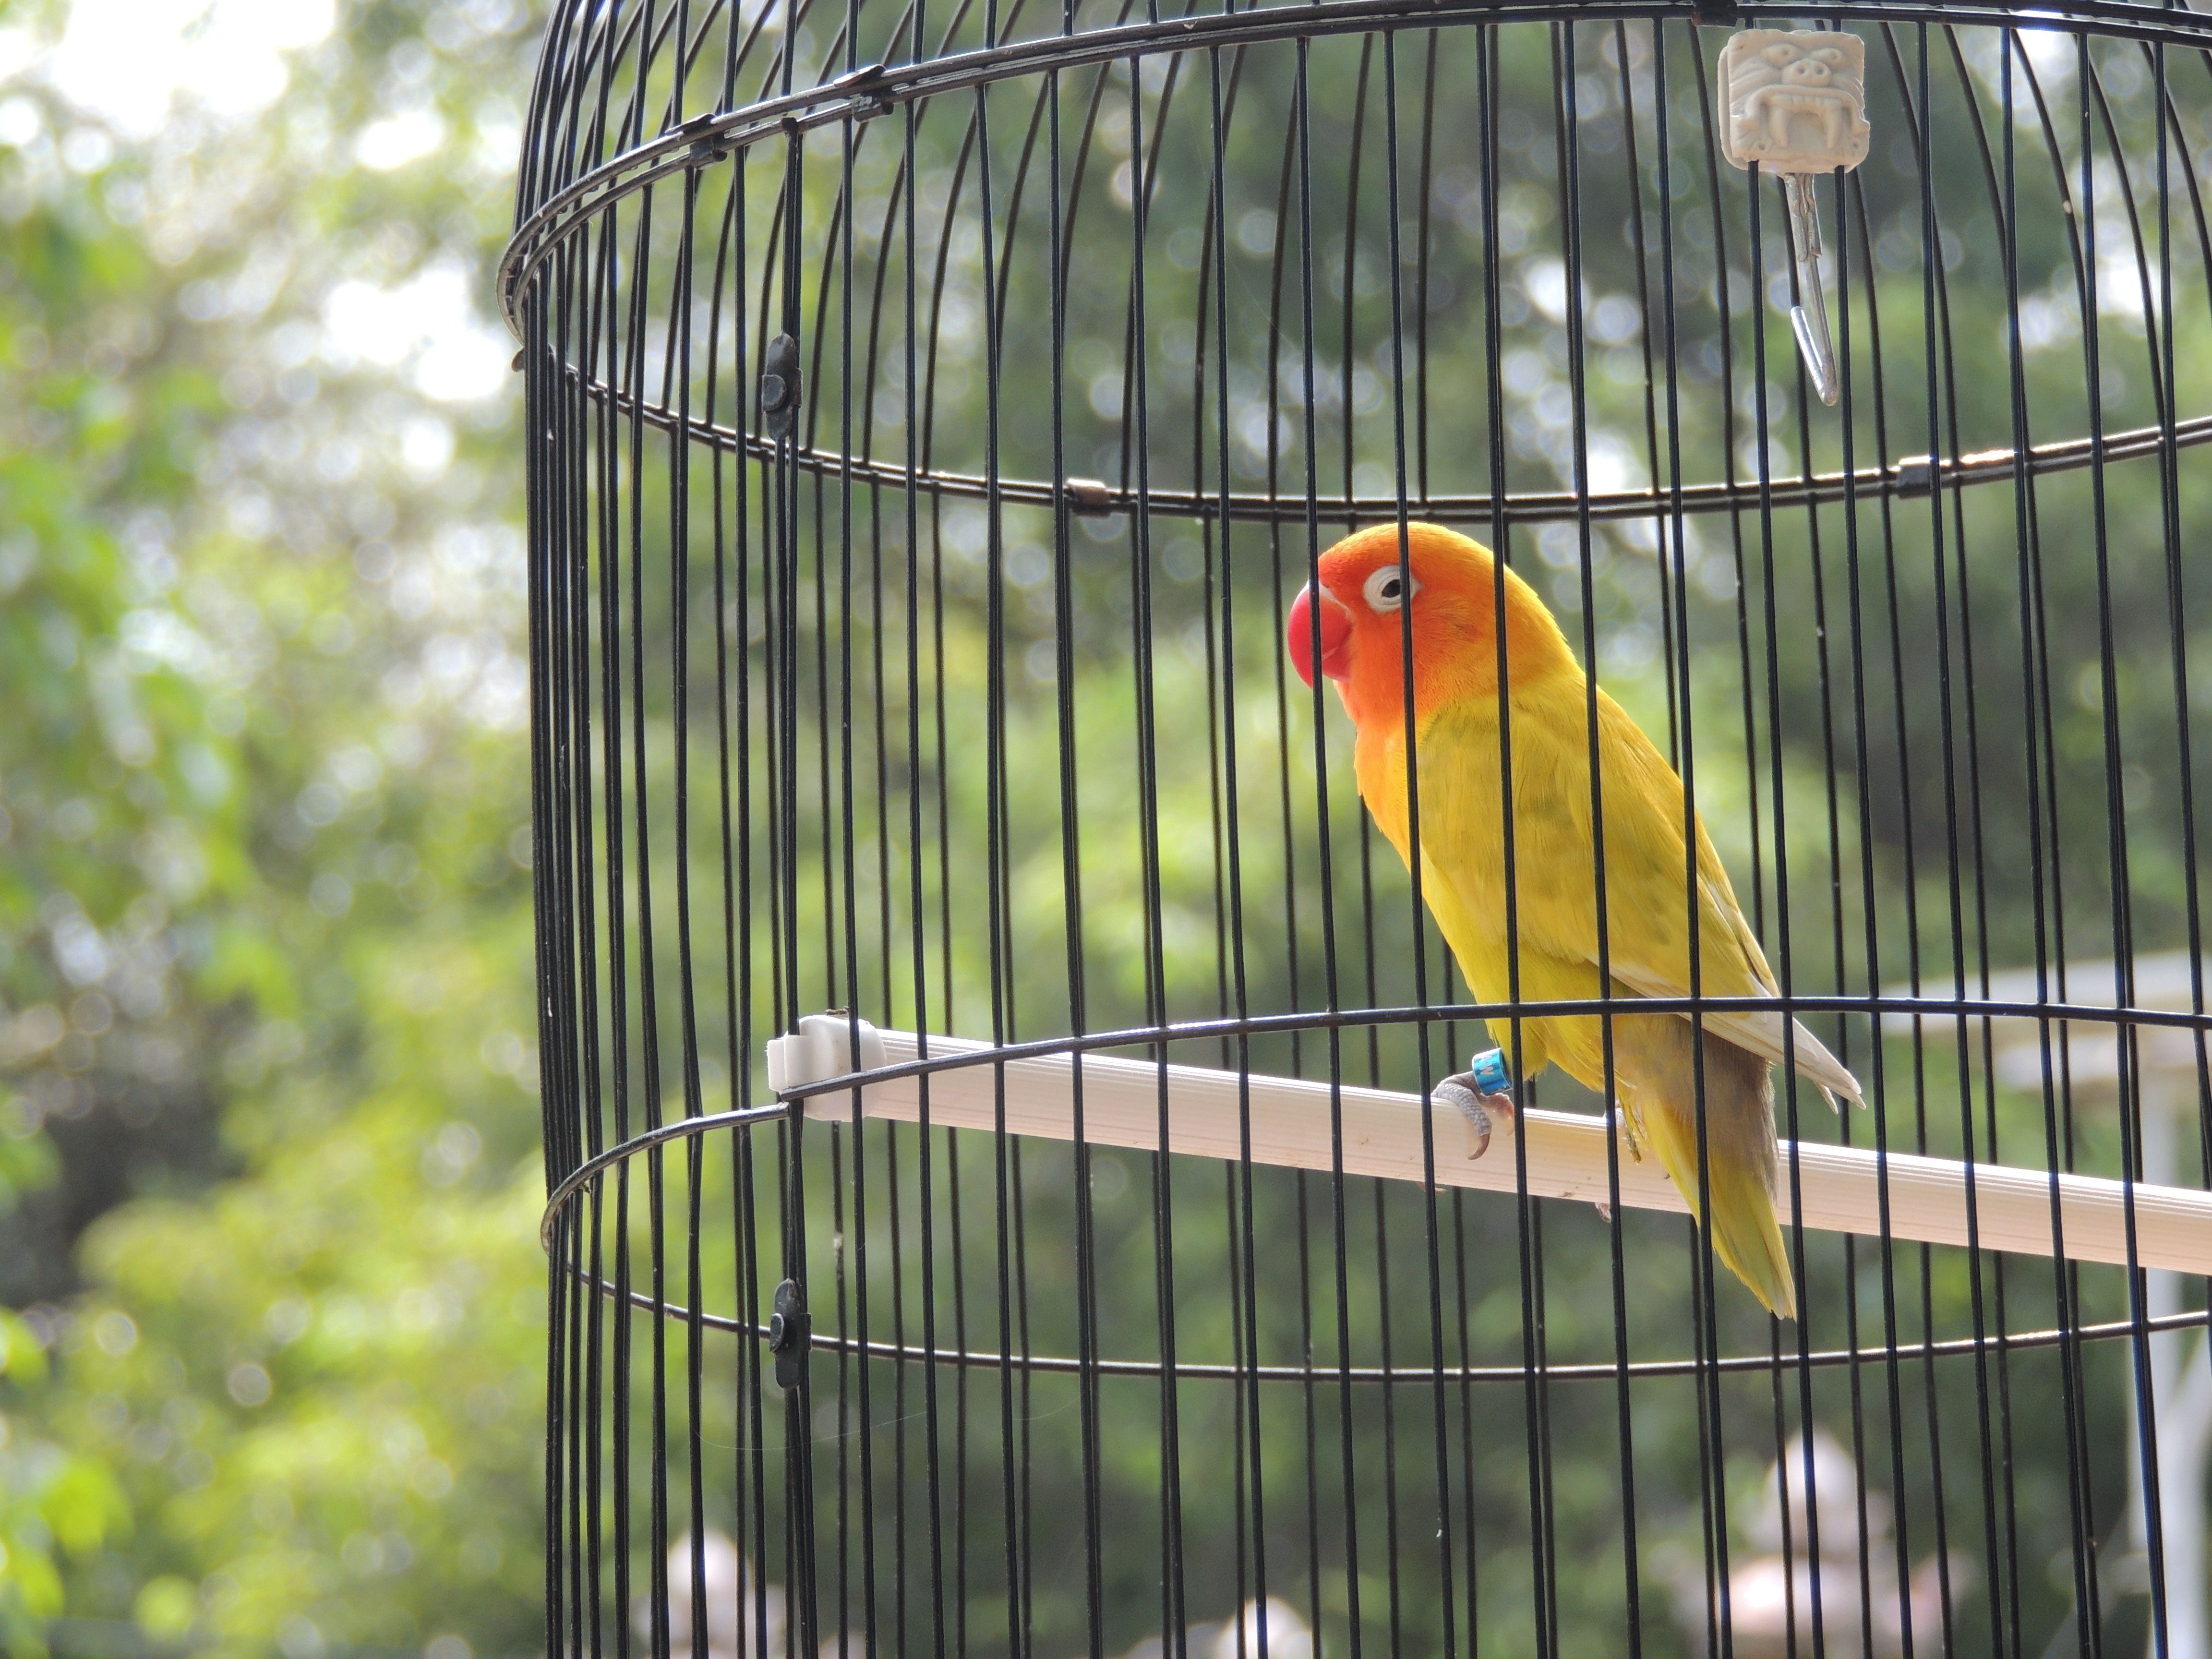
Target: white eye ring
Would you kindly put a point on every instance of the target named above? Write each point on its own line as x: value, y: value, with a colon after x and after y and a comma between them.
x: 1381, y: 591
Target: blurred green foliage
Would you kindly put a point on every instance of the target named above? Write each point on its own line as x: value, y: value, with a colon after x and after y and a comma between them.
x: 267, y: 1155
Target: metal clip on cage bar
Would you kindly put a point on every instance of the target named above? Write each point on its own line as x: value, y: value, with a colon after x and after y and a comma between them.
x: 1808, y: 321
x: 1795, y: 103
x: 1842, y: 1187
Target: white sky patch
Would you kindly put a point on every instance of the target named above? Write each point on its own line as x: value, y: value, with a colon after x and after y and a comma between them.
x: 2050, y: 58
x: 17, y: 50
x: 2054, y: 56
x: 1545, y: 282
x: 398, y: 139
x: 19, y: 121
x: 426, y: 445
x: 129, y: 61
x: 2120, y: 285
x: 429, y: 321
x: 498, y: 141
x: 1613, y: 464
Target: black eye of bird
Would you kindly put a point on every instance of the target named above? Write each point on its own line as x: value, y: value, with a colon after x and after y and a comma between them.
x: 1390, y: 589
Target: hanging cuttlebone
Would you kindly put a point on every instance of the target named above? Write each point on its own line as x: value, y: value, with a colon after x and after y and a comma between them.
x: 1795, y: 103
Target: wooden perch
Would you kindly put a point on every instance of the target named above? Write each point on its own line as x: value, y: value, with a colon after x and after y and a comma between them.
x: 1566, y: 1151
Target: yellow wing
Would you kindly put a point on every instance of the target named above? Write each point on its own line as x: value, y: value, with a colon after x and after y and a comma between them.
x: 1647, y: 923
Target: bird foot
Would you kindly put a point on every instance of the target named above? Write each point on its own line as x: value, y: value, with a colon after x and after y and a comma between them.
x: 1628, y: 1140
x: 1482, y: 1109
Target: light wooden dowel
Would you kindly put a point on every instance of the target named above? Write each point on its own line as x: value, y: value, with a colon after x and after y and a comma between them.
x: 1566, y: 1151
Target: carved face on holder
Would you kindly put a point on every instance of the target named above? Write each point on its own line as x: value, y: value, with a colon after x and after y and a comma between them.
x: 1795, y: 101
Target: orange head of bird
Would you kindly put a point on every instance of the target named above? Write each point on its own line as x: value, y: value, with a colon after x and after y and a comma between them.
x: 1355, y: 624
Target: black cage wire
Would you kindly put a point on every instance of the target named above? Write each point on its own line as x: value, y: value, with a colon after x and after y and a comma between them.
x: 934, y: 410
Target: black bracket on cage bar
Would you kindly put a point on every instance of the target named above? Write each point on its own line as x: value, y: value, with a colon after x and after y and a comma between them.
x: 869, y: 87
x: 1090, y: 498
x: 790, y: 1334
x: 1713, y: 13
x: 708, y: 147
x: 1916, y: 475
x: 781, y: 384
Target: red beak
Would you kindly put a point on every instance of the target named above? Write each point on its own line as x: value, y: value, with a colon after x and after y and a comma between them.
x: 1335, y: 635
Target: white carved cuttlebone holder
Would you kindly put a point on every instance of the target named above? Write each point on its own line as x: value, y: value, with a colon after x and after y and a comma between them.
x: 1795, y: 103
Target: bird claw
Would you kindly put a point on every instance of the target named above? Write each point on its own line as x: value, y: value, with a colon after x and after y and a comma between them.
x: 1479, y: 1107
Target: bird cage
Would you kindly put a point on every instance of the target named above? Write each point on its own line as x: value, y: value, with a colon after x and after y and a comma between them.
x: 1030, y: 1172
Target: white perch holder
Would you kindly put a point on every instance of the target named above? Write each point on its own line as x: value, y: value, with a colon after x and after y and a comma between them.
x: 1841, y: 1186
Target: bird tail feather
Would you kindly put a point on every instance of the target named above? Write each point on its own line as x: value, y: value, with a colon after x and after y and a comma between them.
x: 1740, y: 1165
x: 1747, y: 1236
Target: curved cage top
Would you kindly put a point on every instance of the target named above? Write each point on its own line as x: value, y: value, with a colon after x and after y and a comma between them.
x: 588, y: 162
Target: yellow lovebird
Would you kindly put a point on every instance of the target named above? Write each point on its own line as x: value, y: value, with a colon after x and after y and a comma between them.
x: 1354, y: 631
